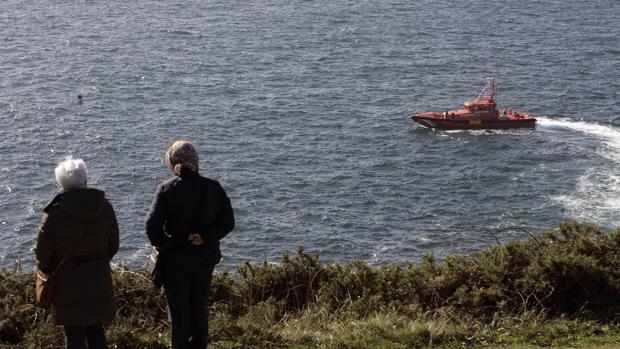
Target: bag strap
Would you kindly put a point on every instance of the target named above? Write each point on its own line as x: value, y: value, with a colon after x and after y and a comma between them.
x: 64, y: 259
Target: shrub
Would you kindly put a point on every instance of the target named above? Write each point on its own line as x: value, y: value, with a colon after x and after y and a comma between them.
x: 568, y: 273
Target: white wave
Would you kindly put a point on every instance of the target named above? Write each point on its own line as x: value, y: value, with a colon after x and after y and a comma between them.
x: 610, y: 134
x: 483, y: 132
x: 597, y: 191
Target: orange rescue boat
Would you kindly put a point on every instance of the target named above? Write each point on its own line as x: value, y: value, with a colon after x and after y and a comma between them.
x: 479, y: 113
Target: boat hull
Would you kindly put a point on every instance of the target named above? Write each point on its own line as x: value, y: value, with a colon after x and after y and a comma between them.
x: 459, y: 124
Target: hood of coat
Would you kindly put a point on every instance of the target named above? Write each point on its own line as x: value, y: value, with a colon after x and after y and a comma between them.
x: 83, y: 204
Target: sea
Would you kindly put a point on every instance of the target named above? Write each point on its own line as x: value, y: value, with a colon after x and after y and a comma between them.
x: 301, y: 110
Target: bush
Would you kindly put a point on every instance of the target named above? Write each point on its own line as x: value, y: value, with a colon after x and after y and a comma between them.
x: 568, y: 273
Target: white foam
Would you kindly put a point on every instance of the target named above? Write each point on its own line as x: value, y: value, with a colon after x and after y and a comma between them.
x: 608, y: 133
x: 480, y: 132
x: 591, y: 208
x: 597, y: 191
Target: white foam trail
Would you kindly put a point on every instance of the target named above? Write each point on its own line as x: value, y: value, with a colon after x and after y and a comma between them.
x: 610, y: 134
x: 597, y: 193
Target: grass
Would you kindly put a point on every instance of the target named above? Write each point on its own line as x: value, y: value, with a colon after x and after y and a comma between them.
x: 560, y: 289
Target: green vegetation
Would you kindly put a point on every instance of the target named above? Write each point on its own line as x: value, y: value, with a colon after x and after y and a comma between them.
x: 560, y: 289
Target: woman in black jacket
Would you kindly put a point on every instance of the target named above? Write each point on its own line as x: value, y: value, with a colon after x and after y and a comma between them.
x: 189, y: 216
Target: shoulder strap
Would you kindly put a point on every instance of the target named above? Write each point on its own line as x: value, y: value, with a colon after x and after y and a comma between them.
x: 64, y: 259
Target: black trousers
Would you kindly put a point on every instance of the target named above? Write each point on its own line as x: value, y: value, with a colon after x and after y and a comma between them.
x: 77, y: 336
x: 187, y: 294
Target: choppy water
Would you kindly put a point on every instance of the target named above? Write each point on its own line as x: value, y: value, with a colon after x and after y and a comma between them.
x: 301, y: 110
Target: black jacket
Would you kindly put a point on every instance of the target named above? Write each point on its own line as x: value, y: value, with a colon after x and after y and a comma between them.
x: 173, y: 218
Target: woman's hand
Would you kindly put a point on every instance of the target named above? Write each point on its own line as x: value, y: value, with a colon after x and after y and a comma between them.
x: 195, y: 239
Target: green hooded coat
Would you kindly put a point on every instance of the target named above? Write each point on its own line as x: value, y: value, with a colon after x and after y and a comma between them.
x: 83, y: 291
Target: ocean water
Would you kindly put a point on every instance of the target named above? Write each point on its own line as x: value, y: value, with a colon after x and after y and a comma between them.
x: 301, y: 110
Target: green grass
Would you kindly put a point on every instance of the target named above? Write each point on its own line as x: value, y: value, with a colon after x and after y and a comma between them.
x: 392, y: 332
x: 560, y: 289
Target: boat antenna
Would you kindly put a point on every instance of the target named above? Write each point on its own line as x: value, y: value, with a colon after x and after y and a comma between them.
x: 489, y: 87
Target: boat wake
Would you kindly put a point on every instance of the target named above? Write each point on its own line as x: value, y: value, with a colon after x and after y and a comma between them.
x: 597, y: 193
x: 610, y: 134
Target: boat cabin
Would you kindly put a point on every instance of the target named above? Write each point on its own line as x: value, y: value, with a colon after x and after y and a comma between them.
x: 476, y: 106
x: 484, y: 105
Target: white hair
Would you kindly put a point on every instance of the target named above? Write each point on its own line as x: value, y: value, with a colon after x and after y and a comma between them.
x: 71, y: 173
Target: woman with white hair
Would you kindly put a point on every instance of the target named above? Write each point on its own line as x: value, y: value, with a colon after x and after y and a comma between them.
x: 77, y: 238
x: 189, y: 216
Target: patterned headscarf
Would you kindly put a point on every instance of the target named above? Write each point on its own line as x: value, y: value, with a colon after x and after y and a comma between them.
x: 182, y: 154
